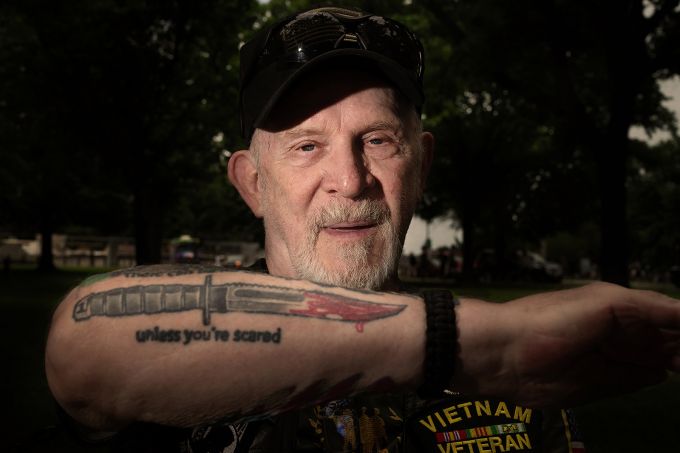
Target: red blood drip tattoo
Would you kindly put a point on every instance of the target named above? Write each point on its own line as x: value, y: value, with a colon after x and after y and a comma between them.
x: 327, y: 306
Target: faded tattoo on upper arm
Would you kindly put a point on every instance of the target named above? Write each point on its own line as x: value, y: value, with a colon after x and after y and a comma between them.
x: 155, y: 270
x: 209, y: 298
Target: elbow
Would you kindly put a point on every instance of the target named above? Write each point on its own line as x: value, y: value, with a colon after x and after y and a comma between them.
x: 74, y: 379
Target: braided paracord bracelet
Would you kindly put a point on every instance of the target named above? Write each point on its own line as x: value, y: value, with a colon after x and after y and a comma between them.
x: 441, y: 343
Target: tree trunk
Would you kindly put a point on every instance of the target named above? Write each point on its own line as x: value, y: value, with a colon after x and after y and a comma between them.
x: 502, y: 269
x: 46, y: 259
x: 148, y: 225
x: 468, y: 248
x: 614, y: 221
x: 627, y: 61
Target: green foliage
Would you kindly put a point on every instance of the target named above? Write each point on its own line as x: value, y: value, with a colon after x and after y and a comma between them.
x: 112, y: 109
x: 213, y: 210
x: 532, y: 101
x: 654, y: 185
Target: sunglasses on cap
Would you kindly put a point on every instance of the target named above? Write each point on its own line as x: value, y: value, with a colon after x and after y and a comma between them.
x: 278, y: 55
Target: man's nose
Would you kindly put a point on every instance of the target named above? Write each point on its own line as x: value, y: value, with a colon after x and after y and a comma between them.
x: 348, y: 172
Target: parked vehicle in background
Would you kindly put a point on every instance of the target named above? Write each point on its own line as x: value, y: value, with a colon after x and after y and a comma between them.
x: 522, y: 266
x: 542, y: 270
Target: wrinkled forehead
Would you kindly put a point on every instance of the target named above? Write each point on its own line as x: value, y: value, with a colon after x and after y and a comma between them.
x: 326, y: 87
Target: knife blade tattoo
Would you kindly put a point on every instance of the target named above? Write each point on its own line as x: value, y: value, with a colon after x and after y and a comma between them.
x: 208, y: 298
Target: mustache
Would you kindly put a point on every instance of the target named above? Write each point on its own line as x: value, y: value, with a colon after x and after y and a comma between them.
x: 370, y: 211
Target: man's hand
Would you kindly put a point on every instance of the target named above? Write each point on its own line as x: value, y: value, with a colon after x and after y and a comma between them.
x: 567, y: 347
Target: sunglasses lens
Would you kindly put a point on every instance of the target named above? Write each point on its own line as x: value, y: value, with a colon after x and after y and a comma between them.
x: 303, y: 38
x: 310, y: 29
x: 311, y: 34
x: 392, y: 40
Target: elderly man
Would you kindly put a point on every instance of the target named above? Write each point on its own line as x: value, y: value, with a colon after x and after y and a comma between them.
x: 200, y: 359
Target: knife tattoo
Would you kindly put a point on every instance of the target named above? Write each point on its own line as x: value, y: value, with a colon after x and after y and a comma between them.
x: 231, y: 297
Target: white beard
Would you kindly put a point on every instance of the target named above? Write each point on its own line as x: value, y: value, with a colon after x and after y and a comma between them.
x: 358, y: 264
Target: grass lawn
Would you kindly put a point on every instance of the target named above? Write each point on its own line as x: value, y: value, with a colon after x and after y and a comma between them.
x: 647, y: 421
x: 27, y: 300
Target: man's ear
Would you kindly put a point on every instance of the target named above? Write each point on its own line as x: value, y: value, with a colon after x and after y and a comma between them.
x: 427, y: 141
x: 243, y: 174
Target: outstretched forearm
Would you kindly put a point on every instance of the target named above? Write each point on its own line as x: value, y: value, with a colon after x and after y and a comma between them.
x: 154, y: 346
x: 186, y: 349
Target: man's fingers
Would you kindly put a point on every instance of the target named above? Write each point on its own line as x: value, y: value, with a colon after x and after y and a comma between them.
x: 658, y: 309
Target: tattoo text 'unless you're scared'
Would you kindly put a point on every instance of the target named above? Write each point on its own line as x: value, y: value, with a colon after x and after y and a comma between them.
x: 186, y: 336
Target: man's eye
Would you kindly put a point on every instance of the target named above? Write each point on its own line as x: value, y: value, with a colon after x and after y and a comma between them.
x: 308, y: 147
x: 376, y: 141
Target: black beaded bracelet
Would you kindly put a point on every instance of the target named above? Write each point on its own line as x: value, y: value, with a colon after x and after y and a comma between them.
x: 441, y: 343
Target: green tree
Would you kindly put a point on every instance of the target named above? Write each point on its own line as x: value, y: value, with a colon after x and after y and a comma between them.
x: 122, y: 98
x: 655, y: 197
x: 36, y: 112
x: 591, y: 70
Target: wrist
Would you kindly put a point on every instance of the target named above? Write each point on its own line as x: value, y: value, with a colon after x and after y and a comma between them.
x: 484, y: 342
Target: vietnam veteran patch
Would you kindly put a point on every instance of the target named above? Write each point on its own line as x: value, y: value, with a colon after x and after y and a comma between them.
x: 477, y: 426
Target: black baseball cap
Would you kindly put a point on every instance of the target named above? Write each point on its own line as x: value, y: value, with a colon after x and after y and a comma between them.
x: 280, y: 54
